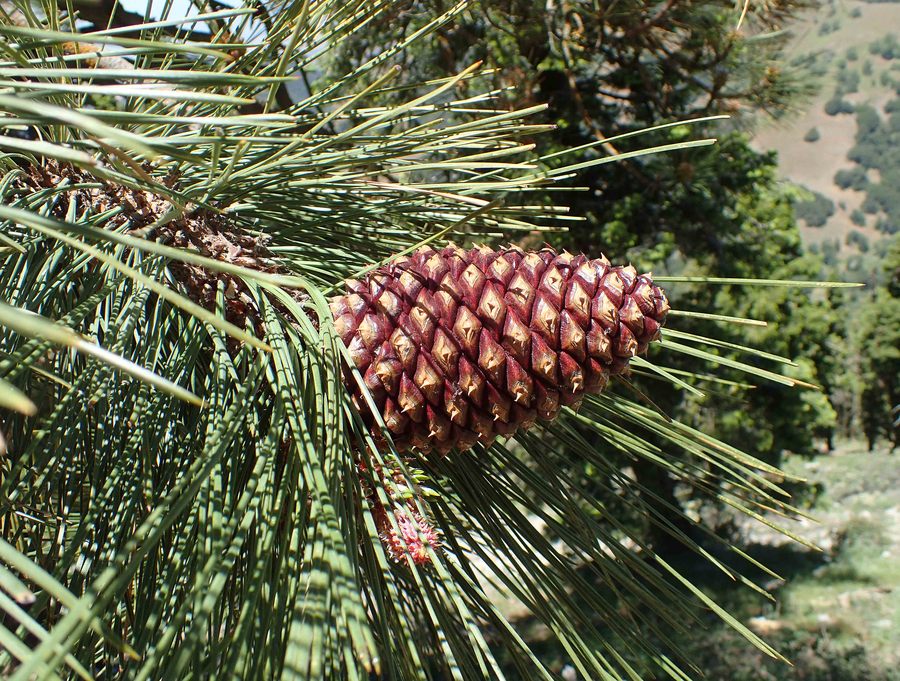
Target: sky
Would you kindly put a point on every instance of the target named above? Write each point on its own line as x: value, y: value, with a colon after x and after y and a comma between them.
x: 179, y: 8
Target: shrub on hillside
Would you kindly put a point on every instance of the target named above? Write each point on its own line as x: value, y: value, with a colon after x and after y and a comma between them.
x: 830, y: 251
x: 886, y: 47
x: 812, y: 135
x: 858, y: 239
x: 851, y: 178
x: 868, y: 122
x: 829, y: 27
x: 837, y: 105
x: 815, y: 211
x: 887, y: 197
x: 887, y: 226
x: 848, y: 82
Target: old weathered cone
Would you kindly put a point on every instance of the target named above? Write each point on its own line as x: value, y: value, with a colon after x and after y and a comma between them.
x: 458, y: 346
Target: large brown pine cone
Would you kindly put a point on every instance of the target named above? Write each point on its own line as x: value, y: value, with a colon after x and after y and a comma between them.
x: 457, y: 346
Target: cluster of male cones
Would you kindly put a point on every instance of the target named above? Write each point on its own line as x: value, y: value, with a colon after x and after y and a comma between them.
x: 457, y: 346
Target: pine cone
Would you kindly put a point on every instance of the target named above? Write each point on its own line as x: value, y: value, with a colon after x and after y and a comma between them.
x: 458, y: 346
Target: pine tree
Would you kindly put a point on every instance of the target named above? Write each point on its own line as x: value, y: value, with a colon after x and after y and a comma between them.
x: 875, y: 333
x: 198, y: 480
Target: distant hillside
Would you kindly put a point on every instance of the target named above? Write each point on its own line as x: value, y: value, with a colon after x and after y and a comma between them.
x: 851, y: 52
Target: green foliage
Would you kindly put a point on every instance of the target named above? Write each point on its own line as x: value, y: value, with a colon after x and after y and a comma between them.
x: 858, y: 239
x: 812, y: 135
x: 847, y: 82
x: 870, y: 205
x: 852, y: 178
x: 831, y: 249
x: 766, y: 419
x: 873, y: 352
x: 827, y: 27
x: 868, y: 122
x: 879, y: 342
x: 834, y: 615
x: 877, y: 146
x: 864, y: 367
x: 886, y: 47
x: 887, y: 225
x: 816, y: 210
x: 837, y: 105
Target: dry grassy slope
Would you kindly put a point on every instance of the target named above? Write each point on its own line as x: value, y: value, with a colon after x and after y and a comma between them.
x: 814, y: 164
